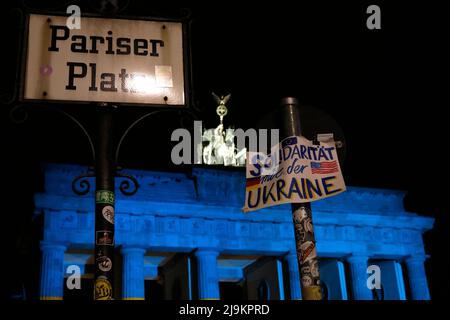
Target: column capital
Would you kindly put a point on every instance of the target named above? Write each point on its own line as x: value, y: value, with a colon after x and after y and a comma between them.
x: 357, y: 258
x: 415, y: 258
x: 207, y: 252
x: 131, y: 250
x: 290, y: 256
x: 46, y: 245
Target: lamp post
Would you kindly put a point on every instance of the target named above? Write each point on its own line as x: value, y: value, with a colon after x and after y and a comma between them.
x: 305, y: 241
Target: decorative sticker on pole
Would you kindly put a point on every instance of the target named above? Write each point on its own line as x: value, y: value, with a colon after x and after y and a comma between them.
x: 108, y: 214
x: 296, y: 171
x: 104, y: 196
x: 102, y: 289
x: 306, y: 253
x: 104, y: 263
x: 104, y: 237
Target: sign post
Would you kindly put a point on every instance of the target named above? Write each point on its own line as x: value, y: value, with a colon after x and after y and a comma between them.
x: 305, y: 241
x: 107, y: 61
x: 296, y: 171
x: 104, y: 205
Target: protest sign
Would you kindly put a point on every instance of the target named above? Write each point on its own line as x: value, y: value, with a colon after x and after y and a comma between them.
x: 295, y: 171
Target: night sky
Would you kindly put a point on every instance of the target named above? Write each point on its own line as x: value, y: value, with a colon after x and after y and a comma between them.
x: 384, y: 88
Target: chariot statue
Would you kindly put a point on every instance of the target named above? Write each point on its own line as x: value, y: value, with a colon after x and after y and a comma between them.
x: 220, y: 147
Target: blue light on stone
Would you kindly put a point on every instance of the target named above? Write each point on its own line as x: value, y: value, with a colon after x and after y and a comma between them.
x: 172, y: 212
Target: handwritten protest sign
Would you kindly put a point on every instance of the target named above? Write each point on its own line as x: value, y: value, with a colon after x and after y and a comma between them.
x: 295, y: 171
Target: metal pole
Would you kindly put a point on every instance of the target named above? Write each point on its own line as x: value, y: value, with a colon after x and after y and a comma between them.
x: 104, y: 205
x: 305, y: 241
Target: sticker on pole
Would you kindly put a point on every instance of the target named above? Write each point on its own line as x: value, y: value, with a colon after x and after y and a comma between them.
x: 295, y: 171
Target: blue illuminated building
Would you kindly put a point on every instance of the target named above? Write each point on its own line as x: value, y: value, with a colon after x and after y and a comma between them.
x: 185, y: 237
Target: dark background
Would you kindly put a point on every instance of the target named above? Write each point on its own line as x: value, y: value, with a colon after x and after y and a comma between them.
x: 383, y: 87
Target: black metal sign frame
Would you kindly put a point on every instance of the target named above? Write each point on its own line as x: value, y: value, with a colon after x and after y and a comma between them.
x: 187, y: 60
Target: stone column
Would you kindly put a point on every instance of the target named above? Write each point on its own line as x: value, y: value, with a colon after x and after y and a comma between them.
x: 52, y: 271
x: 208, y: 275
x: 133, y: 274
x: 294, y: 276
x: 358, y: 277
x: 417, y: 278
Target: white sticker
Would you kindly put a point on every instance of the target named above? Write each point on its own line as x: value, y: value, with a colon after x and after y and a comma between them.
x: 108, y: 214
x: 104, y: 263
x: 163, y: 76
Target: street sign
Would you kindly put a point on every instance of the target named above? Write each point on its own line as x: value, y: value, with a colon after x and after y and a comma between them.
x: 106, y: 60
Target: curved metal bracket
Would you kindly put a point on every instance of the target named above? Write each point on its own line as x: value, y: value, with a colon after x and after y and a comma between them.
x: 18, y: 114
x: 17, y: 119
x: 78, y: 123
x: 136, y: 122
x: 129, y: 186
x: 81, y: 185
x: 119, y: 145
